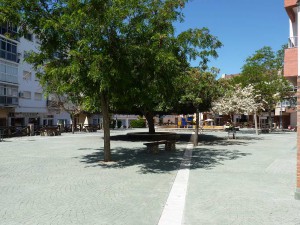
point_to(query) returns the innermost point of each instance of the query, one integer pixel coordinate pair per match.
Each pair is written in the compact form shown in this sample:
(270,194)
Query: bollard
(31,129)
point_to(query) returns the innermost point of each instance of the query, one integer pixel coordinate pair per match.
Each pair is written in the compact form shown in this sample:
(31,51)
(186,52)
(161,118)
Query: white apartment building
(21,97)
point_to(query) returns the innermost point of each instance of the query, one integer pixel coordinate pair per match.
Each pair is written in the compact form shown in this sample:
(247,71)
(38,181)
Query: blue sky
(243,26)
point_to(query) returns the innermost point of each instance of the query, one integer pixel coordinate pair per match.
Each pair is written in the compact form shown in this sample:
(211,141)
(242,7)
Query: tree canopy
(263,70)
(198,89)
(117,53)
(158,58)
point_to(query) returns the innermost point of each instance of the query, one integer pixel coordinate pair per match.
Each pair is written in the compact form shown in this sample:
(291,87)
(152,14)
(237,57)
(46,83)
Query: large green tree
(263,70)
(113,52)
(158,57)
(199,89)
(81,46)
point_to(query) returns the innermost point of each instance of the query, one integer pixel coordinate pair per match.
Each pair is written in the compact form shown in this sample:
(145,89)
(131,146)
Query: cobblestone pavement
(62,180)
(250,180)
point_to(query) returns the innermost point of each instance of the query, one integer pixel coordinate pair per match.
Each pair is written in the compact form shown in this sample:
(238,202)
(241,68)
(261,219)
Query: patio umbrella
(86,121)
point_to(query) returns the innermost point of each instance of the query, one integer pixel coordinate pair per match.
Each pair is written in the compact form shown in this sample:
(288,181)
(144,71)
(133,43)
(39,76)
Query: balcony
(8,50)
(289,5)
(8,78)
(9,101)
(10,56)
(9,30)
(293,42)
(291,64)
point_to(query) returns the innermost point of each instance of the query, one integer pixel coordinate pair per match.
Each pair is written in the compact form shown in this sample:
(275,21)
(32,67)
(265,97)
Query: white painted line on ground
(174,208)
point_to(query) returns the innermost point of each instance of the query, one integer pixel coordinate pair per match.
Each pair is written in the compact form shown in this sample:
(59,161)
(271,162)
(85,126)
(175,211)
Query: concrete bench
(153,146)
(265,130)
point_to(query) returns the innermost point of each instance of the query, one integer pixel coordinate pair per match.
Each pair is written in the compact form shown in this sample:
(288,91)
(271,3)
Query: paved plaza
(62,180)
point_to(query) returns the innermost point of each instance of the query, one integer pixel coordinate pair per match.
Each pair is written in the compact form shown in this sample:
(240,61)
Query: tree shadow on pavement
(206,158)
(212,140)
(146,162)
(206,139)
(164,162)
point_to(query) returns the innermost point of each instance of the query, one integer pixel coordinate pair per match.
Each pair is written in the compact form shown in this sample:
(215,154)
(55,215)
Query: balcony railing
(293,42)
(8,78)
(9,49)
(9,101)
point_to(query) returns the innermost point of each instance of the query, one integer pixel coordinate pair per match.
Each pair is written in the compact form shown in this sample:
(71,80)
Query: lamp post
(280,117)
(116,122)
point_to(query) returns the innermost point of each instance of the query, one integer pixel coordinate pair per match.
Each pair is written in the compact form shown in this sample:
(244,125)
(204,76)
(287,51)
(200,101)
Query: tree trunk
(197,129)
(270,120)
(255,123)
(73,123)
(106,129)
(150,120)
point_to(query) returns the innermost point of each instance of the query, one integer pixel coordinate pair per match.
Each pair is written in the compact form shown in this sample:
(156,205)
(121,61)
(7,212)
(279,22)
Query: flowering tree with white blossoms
(239,101)
(264,71)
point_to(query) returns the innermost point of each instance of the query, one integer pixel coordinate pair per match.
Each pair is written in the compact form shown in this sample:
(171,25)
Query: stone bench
(153,146)
(265,130)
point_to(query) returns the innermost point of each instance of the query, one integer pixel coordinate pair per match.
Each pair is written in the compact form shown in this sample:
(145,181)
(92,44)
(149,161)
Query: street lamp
(116,122)
(280,117)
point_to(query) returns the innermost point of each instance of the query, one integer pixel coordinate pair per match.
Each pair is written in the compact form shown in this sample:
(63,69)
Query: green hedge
(140,123)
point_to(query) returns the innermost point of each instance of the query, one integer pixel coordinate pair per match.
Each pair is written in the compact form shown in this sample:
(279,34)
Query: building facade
(9,84)
(292,68)
(22,101)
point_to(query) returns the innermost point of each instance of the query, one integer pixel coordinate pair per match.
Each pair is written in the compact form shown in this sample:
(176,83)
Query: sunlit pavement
(250,180)
(62,180)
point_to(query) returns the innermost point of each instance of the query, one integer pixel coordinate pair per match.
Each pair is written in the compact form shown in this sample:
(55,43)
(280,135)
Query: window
(96,121)
(27,75)
(8,72)
(48,122)
(2,91)
(28,36)
(9,28)
(9,95)
(26,94)
(8,50)
(8,91)
(14,92)
(38,96)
